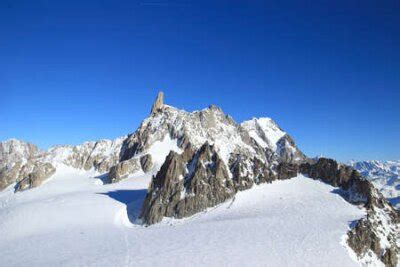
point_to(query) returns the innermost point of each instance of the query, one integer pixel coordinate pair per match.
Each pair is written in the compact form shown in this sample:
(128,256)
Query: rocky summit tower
(158,103)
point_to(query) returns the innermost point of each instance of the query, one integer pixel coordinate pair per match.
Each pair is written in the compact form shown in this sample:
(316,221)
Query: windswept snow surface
(75,220)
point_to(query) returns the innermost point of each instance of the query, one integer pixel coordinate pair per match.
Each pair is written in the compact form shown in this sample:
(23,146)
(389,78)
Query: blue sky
(328,73)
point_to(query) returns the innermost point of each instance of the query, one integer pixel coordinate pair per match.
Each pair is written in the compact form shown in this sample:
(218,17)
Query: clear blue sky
(327,72)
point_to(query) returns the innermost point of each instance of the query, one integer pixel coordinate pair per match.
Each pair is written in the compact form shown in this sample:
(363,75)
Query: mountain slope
(385,175)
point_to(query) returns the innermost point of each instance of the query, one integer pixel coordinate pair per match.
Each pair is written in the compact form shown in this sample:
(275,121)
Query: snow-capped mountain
(150,144)
(24,163)
(385,175)
(179,165)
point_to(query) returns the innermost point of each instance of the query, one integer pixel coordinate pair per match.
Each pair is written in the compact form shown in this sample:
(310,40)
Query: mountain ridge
(195,127)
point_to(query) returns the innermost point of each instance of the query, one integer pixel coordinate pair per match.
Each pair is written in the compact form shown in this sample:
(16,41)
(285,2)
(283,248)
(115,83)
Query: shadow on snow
(102,177)
(133,200)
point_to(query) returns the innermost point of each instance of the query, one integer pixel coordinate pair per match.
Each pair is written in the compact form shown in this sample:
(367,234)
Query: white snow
(264,131)
(160,150)
(72,220)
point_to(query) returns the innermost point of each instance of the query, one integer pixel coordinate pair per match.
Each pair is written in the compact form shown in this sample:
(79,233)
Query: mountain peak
(158,103)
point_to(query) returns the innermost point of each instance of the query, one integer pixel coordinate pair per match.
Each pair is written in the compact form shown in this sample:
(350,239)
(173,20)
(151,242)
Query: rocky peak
(185,186)
(169,127)
(14,149)
(158,103)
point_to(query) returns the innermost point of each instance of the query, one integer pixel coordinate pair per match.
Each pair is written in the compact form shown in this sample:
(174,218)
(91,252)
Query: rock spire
(158,103)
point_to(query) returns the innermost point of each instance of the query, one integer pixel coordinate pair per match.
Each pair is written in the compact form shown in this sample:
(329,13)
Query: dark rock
(165,189)
(389,258)
(36,178)
(364,237)
(288,151)
(175,192)
(330,172)
(261,172)
(122,170)
(247,171)
(287,170)
(146,162)
(242,172)
(158,103)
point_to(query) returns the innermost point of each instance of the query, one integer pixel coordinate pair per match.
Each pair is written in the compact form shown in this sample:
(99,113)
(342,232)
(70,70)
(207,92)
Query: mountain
(166,129)
(385,175)
(179,165)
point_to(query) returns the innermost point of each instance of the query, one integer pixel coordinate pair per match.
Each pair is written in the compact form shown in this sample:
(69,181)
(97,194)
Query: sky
(328,72)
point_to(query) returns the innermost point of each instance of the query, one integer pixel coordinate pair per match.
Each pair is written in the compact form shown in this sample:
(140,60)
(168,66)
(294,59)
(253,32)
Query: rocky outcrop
(268,135)
(158,103)
(123,169)
(330,172)
(182,188)
(188,183)
(40,173)
(146,162)
(99,155)
(17,160)
(379,231)
(376,233)
(287,170)
(287,150)
(10,174)
(384,175)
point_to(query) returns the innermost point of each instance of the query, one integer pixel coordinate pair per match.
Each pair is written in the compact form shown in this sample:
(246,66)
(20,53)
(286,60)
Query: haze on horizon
(327,73)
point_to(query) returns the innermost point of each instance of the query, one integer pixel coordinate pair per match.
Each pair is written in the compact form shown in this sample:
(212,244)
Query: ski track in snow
(72,220)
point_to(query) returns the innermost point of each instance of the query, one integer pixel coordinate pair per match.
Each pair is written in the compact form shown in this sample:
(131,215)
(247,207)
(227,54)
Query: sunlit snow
(73,220)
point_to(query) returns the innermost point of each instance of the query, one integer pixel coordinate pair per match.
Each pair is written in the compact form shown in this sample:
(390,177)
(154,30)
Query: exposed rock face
(185,186)
(123,169)
(379,231)
(146,162)
(99,155)
(267,134)
(385,175)
(17,160)
(182,188)
(329,171)
(36,178)
(287,150)
(197,127)
(188,184)
(376,233)
(158,103)
(287,170)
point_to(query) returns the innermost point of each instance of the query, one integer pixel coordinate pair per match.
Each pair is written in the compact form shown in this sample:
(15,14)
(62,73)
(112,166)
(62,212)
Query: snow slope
(264,131)
(74,220)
